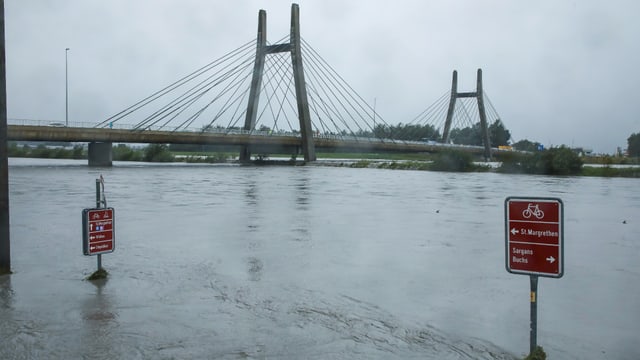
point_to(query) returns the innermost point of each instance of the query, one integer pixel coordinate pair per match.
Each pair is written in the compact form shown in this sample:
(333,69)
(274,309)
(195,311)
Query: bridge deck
(228,138)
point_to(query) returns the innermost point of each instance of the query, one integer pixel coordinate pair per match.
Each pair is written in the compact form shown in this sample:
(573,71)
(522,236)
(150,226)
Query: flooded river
(313,262)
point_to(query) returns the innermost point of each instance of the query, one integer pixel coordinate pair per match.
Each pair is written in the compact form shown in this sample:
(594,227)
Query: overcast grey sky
(557,71)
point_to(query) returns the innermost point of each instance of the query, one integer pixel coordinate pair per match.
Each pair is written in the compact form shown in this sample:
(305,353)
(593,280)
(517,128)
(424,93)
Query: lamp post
(66,87)
(374,113)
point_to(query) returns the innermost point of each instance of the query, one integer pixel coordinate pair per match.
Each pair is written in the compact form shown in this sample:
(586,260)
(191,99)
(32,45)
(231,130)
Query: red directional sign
(98,228)
(534,236)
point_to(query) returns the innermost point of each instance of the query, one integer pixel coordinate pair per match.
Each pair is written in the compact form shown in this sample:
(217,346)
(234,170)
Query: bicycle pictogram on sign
(533,210)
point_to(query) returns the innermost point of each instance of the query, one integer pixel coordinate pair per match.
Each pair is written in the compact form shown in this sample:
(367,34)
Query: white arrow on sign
(551,259)
(514,231)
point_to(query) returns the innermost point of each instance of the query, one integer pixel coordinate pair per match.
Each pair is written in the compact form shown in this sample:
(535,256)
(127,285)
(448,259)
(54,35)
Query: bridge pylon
(262,50)
(479,95)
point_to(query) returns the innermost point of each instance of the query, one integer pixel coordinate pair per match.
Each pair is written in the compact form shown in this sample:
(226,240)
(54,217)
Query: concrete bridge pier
(100,154)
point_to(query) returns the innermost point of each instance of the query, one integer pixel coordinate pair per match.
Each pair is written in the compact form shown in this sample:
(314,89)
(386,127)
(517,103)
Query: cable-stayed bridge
(261,98)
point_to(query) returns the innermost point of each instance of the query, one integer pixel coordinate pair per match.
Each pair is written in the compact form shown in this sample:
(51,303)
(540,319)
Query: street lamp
(374,113)
(66,87)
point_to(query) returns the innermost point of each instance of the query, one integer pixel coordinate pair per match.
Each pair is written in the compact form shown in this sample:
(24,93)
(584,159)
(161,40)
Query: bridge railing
(57,123)
(216,130)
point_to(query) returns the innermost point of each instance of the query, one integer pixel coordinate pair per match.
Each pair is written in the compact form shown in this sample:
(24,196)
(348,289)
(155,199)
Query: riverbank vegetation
(554,161)
(537,354)
(45,151)
(120,152)
(563,161)
(559,161)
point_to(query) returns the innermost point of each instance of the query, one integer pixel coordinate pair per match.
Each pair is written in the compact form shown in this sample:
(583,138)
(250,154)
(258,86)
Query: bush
(157,153)
(537,354)
(78,152)
(125,153)
(511,163)
(555,161)
(361,164)
(42,151)
(15,151)
(453,161)
(405,165)
(606,171)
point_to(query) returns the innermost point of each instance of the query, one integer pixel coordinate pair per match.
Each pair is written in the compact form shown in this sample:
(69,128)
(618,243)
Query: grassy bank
(607,171)
(555,161)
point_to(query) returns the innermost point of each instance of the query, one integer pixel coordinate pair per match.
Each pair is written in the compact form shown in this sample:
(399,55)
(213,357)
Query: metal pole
(374,115)
(98,202)
(5,243)
(66,87)
(533,334)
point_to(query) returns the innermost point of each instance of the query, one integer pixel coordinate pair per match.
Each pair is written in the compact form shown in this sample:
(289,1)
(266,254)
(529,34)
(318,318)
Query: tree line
(471,135)
(633,145)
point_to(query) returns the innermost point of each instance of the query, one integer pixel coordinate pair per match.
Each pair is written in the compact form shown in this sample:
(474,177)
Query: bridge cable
(172,86)
(434,115)
(288,94)
(187,98)
(276,70)
(193,94)
(235,84)
(330,106)
(337,89)
(240,110)
(233,99)
(342,86)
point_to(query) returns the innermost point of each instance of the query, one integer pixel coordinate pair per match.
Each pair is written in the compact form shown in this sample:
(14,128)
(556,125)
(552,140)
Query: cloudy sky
(557,71)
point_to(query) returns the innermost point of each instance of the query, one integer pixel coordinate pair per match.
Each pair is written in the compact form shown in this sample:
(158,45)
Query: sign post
(533,317)
(98,226)
(534,246)
(5,241)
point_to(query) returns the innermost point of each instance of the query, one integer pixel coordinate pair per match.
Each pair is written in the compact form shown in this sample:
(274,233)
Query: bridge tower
(479,95)
(262,50)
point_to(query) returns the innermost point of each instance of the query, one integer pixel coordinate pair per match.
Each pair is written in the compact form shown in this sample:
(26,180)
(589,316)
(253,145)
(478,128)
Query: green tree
(410,132)
(457,161)
(264,128)
(633,145)
(555,161)
(471,135)
(157,153)
(15,151)
(41,151)
(124,153)
(498,134)
(78,152)
(526,145)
